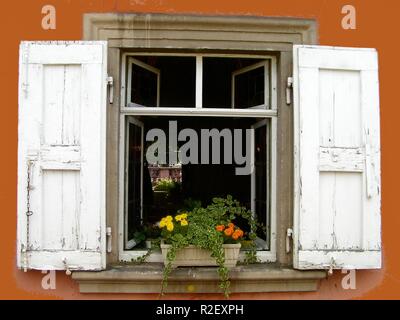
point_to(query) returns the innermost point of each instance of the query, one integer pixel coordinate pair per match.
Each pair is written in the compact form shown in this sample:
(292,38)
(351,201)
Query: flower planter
(193,256)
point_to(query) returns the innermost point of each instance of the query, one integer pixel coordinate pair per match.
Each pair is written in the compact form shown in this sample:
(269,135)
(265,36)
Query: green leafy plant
(143,258)
(207,228)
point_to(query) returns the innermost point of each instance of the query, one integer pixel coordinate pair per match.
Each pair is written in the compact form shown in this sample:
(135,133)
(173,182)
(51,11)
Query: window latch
(109,239)
(289,87)
(289,235)
(110,85)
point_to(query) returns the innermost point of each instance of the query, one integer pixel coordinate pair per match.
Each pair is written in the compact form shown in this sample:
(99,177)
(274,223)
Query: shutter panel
(61,151)
(337,220)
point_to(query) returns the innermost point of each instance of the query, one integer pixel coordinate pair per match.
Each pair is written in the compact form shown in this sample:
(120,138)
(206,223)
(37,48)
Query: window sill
(146,278)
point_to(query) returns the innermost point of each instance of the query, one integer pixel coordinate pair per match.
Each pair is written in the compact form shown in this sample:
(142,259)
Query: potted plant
(205,237)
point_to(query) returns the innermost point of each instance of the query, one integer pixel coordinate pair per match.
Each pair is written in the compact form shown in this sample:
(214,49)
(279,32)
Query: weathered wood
(62,134)
(337,158)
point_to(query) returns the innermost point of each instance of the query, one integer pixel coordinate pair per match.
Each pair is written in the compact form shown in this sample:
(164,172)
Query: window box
(193,256)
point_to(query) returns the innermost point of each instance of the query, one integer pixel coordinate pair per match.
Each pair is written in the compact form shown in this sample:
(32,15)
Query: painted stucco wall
(21,20)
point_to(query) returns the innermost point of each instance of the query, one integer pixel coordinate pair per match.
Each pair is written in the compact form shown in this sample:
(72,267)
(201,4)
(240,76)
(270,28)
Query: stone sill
(146,278)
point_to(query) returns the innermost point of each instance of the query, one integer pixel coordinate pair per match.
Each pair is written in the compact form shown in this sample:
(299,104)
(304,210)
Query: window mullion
(199,81)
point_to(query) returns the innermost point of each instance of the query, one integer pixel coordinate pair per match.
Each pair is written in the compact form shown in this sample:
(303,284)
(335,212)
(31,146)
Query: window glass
(250,88)
(134,179)
(143,86)
(234,82)
(260,200)
(163,81)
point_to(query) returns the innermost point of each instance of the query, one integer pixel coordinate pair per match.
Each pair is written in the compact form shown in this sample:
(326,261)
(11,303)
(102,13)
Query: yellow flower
(184,223)
(163,223)
(184,215)
(181,217)
(170,226)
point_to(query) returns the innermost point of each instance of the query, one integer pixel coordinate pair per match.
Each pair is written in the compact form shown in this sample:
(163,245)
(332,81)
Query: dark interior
(217,83)
(192,182)
(177,80)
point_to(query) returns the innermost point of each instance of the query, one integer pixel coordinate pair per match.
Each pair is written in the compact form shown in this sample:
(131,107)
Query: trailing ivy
(201,232)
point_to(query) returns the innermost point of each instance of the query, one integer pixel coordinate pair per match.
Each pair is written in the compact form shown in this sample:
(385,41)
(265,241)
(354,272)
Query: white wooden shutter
(62,113)
(337,222)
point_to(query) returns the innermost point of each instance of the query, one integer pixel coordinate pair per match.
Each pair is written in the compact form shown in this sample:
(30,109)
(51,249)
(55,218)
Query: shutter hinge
(67,270)
(289,236)
(109,239)
(332,265)
(110,85)
(289,87)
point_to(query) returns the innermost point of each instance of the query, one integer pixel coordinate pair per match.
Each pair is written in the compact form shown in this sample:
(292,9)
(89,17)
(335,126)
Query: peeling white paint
(337,158)
(62,131)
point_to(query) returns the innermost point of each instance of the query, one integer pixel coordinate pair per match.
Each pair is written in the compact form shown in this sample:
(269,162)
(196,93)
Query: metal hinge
(289,87)
(110,85)
(332,265)
(109,239)
(289,236)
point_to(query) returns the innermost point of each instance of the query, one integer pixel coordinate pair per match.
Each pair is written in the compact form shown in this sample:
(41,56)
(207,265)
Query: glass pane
(134,178)
(143,86)
(250,88)
(217,80)
(177,82)
(261,179)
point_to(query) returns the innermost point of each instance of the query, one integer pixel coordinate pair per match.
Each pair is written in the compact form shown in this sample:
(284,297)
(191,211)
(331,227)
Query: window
(199,81)
(223,83)
(250,87)
(143,87)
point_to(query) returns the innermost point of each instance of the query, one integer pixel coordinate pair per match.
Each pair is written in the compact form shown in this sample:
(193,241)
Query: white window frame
(267,87)
(133,61)
(198,110)
(271,176)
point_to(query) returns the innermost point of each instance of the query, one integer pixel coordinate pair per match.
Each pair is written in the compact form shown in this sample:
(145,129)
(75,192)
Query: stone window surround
(216,34)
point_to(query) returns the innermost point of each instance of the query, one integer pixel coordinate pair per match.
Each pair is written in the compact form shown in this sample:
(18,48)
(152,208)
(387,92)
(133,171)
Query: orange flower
(231,225)
(237,234)
(228,232)
(220,227)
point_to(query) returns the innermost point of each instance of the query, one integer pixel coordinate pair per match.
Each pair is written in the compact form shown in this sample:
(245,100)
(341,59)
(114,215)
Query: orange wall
(21,20)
